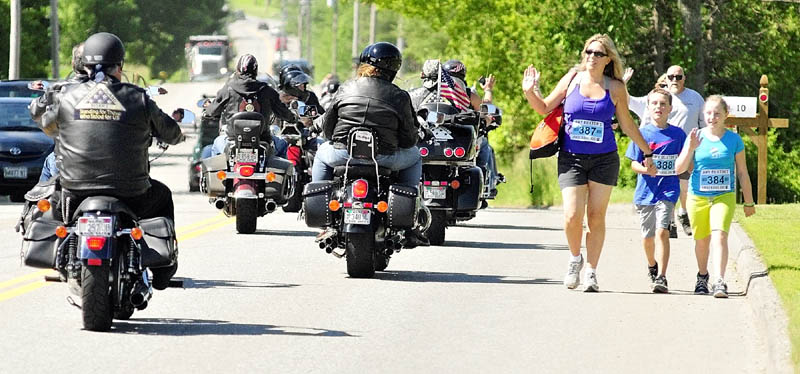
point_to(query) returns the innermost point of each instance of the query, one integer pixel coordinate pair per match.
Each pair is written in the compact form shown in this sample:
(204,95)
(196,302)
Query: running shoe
(687,228)
(590,284)
(673,231)
(660,285)
(573,274)
(701,287)
(720,289)
(652,272)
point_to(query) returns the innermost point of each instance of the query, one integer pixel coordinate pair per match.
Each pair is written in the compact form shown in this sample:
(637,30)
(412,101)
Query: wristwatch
(648,155)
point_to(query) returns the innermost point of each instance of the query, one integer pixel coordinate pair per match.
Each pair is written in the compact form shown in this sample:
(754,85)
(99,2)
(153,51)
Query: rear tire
(294,202)
(97,306)
(381,262)
(435,232)
(360,255)
(246,215)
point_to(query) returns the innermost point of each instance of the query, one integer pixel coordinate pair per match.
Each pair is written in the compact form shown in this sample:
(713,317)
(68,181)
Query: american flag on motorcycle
(453,90)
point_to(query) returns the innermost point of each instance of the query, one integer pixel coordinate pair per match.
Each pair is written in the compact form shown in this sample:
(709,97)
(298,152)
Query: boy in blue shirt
(658,186)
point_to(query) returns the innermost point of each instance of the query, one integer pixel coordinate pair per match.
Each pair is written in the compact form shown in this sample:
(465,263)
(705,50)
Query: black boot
(414,238)
(161,276)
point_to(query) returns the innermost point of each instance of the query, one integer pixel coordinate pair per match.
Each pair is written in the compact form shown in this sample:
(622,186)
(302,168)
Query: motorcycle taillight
(360,188)
(96,243)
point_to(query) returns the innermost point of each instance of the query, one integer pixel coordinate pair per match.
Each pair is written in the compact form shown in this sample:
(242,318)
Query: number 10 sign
(742,107)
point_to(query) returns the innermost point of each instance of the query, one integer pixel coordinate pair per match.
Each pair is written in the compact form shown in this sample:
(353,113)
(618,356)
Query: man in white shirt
(687,113)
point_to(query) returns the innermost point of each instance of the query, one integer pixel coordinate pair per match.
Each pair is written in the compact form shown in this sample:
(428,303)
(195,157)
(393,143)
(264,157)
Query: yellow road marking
(25,277)
(21,290)
(191,233)
(200,223)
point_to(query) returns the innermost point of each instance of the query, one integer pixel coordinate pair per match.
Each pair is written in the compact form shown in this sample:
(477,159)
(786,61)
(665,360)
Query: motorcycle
(453,187)
(301,151)
(364,213)
(247,180)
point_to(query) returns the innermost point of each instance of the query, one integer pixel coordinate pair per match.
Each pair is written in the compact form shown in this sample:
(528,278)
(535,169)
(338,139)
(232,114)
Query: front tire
(435,232)
(294,203)
(360,255)
(246,215)
(97,306)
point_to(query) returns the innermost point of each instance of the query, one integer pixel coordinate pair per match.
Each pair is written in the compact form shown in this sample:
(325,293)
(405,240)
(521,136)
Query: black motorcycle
(366,215)
(247,180)
(301,151)
(453,187)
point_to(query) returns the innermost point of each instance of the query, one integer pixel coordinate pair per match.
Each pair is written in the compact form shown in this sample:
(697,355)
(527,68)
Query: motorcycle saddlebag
(280,188)
(316,197)
(161,247)
(210,184)
(40,244)
(402,206)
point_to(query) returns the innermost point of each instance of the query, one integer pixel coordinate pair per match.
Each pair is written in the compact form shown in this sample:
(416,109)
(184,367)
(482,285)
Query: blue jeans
(406,161)
(218,147)
(486,161)
(49,168)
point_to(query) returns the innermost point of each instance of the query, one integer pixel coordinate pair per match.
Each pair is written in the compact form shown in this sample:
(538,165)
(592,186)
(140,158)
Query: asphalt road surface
(489,300)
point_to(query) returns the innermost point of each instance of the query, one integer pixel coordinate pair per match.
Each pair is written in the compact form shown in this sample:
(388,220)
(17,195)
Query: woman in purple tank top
(588,164)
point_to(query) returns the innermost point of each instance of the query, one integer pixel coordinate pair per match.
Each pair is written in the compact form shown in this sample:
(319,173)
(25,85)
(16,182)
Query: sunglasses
(662,86)
(675,77)
(590,52)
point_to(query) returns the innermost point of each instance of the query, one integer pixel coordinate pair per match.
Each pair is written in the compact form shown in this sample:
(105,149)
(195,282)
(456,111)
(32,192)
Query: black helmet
(384,56)
(291,80)
(285,69)
(103,48)
(247,65)
(456,69)
(332,86)
(77,59)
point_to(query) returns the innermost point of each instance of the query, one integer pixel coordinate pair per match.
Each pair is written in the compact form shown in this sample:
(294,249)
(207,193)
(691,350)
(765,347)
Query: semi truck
(208,56)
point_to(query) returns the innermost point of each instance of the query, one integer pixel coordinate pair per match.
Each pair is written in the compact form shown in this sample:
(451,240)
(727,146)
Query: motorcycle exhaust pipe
(219,203)
(270,205)
(140,295)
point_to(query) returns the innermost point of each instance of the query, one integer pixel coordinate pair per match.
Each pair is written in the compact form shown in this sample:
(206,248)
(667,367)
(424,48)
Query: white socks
(575,258)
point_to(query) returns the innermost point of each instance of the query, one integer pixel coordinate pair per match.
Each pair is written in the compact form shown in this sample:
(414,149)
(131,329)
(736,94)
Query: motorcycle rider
(243,84)
(329,86)
(104,129)
(371,100)
(428,93)
(293,85)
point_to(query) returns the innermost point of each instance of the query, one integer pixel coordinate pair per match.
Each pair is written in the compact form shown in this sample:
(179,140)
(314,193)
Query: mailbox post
(743,117)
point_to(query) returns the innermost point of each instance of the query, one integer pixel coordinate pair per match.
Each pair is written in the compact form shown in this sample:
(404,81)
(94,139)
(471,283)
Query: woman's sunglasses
(590,52)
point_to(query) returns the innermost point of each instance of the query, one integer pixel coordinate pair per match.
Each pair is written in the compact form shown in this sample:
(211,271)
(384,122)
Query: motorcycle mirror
(38,85)
(155,91)
(435,117)
(188,116)
(307,110)
(297,104)
(202,103)
(489,109)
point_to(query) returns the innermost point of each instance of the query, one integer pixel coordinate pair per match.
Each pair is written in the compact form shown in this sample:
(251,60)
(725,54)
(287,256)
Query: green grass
(774,231)
(257,8)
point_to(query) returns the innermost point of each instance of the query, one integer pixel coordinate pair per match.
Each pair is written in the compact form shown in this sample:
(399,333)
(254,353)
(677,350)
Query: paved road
(491,299)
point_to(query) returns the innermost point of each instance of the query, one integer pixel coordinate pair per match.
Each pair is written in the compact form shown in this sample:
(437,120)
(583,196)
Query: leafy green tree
(34,38)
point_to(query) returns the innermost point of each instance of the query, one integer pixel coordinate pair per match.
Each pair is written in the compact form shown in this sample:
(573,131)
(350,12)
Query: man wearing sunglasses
(687,113)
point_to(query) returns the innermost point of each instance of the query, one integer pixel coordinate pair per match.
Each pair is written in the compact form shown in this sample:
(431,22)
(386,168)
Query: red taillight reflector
(198,167)
(423,151)
(443,183)
(95,262)
(460,152)
(367,205)
(246,171)
(448,152)
(348,205)
(96,243)
(360,188)
(455,184)
(426,183)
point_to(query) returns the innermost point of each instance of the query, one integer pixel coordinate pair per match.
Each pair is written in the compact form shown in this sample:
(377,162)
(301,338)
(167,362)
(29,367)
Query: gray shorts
(576,169)
(653,217)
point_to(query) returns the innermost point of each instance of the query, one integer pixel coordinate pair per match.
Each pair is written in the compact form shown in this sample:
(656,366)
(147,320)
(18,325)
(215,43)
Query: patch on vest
(99,104)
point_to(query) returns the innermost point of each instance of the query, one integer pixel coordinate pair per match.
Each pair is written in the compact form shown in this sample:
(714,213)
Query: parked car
(18,88)
(263,26)
(23,148)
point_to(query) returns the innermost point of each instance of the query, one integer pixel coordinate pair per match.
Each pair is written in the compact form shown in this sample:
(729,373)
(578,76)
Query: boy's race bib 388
(665,164)
(717,180)
(584,130)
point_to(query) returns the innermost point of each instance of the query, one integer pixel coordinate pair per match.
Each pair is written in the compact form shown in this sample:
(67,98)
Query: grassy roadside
(774,232)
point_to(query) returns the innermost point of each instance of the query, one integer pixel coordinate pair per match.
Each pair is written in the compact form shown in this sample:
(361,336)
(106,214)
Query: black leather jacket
(376,103)
(104,132)
(39,106)
(238,87)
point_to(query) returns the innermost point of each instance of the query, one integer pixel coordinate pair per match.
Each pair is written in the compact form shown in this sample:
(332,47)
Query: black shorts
(685,175)
(577,169)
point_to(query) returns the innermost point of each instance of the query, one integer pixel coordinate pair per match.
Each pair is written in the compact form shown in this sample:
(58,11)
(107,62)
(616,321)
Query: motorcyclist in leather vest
(105,128)
(371,100)
(428,93)
(243,84)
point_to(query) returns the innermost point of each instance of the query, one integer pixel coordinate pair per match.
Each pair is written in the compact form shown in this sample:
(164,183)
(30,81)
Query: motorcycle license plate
(430,192)
(94,226)
(246,155)
(357,216)
(18,172)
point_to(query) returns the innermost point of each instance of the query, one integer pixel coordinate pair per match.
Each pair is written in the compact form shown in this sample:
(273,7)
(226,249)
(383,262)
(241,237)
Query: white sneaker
(590,284)
(573,277)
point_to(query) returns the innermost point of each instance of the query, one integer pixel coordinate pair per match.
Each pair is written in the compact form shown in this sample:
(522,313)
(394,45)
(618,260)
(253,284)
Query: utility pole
(13,38)
(373,15)
(355,32)
(54,45)
(281,35)
(335,30)
(300,19)
(401,41)
(309,52)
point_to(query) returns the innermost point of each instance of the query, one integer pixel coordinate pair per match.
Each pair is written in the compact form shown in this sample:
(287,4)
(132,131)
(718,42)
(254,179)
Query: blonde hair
(661,80)
(367,70)
(615,67)
(720,101)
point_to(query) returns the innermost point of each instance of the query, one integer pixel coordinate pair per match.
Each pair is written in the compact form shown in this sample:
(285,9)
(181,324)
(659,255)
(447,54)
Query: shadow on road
(437,277)
(190,327)
(495,245)
(506,227)
(218,283)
